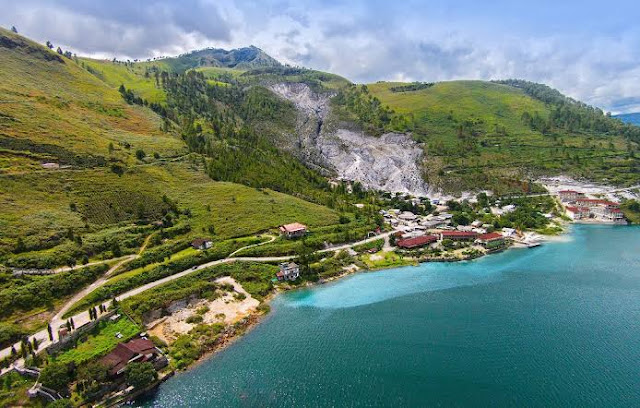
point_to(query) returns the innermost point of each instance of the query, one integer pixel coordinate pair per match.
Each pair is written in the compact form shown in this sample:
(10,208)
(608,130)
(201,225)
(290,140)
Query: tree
(50,332)
(91,374)
(14,29)
(56,376)
(35,344)
(140,375)
(61,403)
(305,255)
(73,325)
(140,154)
(20,246)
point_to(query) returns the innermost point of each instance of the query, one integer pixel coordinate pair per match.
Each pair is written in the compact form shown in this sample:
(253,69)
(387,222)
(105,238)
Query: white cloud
(363,41)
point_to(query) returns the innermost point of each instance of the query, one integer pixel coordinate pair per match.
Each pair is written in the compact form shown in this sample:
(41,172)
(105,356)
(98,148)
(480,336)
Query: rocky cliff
(389,163)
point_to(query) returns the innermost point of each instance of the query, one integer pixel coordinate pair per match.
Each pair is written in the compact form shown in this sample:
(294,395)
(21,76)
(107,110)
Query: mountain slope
(631,118)
(492,135)
(78,163)
(240,58)
(54,110)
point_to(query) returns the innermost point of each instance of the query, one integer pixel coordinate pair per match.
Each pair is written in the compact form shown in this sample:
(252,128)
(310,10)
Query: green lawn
(99,342)
(389,259)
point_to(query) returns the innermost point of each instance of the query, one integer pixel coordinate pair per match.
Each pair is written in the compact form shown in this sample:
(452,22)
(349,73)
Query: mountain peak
(250,57)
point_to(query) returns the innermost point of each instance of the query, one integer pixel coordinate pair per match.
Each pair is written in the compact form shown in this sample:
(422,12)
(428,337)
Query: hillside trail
(83,317)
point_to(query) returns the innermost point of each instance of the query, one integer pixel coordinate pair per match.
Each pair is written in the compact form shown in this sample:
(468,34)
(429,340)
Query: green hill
(494,134)
(79,163)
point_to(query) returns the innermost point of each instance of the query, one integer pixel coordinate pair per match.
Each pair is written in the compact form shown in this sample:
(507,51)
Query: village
(418,230)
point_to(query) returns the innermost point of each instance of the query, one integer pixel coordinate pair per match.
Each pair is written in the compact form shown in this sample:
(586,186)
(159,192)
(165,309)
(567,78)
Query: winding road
(83,317)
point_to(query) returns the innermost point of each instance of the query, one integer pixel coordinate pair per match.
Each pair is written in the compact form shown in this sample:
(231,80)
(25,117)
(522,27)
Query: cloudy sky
(589,50)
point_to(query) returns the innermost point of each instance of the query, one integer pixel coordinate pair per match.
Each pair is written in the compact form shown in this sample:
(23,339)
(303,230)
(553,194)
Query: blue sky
(588,50)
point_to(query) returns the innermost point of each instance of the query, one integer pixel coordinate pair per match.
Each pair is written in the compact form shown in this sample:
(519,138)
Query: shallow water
(554,325)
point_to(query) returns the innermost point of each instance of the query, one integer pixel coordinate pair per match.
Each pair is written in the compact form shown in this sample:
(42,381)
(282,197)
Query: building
(293,230)
(602,209)
(135,351)
(417,242)
(491,240)
(608,212)
(594,202)
(407,216)
(578,213)
(289,271)
(201,244)
(458,235)
(569,195)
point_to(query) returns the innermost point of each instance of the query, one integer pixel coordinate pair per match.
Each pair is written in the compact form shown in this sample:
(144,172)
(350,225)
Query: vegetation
(98,342)
(44,290)
(124,282)
(139,375)
(631,210)
(496,134)
(189,347)
(254,277)
(56,376)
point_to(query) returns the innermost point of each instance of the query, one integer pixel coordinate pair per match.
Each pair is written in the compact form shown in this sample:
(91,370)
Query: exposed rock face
(389,162)
(386,163)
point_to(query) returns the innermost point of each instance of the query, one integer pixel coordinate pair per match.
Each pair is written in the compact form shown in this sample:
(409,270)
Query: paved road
(83,317)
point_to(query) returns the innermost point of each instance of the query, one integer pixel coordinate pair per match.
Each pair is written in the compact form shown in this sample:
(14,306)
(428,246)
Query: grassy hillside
(91,200)
(116,165)
(133,76)
(55,111)
(478,134)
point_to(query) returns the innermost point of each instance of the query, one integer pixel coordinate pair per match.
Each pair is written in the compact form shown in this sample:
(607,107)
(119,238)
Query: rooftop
(293,227)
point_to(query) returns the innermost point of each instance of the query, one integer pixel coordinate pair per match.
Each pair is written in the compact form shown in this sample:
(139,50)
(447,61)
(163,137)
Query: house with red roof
(417,242)
(135,351)
(578,213)
(458,235)
(491,240)
(293,230)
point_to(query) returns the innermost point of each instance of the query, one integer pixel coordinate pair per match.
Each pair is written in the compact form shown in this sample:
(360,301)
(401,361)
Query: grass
(255,278)
(389,259)
(13,392)
(101,340)
(53,108)
(496,146)
(133,76)
(103,199)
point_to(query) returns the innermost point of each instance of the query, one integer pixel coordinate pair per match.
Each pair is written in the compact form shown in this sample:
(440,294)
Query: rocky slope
(390,162)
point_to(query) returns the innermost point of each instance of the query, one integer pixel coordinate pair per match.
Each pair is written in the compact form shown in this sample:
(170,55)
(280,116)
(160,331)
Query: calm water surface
(557,325)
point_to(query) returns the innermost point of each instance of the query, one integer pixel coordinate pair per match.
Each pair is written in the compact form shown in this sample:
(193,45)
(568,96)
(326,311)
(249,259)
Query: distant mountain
(632,118)
(245,58)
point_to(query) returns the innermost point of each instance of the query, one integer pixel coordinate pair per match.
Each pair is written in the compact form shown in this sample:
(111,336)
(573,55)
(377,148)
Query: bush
(56,376)
(194,319)
(139,375)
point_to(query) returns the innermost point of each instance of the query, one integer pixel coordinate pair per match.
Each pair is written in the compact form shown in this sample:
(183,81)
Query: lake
(550,326)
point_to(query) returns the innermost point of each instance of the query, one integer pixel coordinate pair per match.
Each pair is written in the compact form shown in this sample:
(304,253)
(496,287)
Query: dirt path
(83,317)
(271,239)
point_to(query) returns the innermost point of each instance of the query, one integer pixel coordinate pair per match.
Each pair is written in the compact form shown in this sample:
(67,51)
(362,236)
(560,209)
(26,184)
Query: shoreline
(253,320)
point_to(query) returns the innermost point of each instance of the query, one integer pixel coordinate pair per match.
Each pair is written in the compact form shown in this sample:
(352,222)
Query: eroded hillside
(390,162)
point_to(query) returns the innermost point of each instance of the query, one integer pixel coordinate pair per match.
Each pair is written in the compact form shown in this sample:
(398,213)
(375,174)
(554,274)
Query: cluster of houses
(580,207)
(489,240)
(430,230)
(407,221)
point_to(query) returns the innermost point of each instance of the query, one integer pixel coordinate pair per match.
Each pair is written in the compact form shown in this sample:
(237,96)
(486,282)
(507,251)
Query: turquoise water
(557,325)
